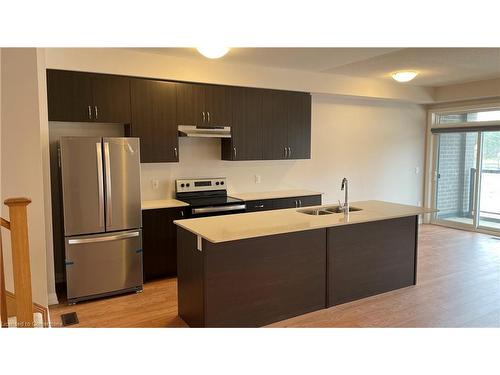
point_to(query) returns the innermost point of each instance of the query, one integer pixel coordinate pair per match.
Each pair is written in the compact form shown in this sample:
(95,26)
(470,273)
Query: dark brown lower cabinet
(371,258)
(257,281)
(251,282)
(313,200)
(281,203)
(159,242)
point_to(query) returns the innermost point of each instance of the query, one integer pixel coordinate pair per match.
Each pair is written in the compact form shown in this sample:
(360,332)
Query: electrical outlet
(257,179)
(155,183)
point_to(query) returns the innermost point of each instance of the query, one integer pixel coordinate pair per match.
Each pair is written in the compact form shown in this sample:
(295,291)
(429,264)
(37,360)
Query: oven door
(218,210)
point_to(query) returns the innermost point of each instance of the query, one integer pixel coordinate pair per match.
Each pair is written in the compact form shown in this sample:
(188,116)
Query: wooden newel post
(21,259)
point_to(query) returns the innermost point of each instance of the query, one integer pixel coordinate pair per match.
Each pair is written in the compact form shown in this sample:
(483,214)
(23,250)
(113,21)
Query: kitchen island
(252,269)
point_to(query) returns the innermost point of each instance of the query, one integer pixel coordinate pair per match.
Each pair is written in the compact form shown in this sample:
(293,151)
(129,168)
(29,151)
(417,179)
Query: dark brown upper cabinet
(153,112)
(190,103)
(203,105)
(299,126)
(246,125)
(265,124)
(287,125)
(275,119)
(69,96)
(87,97)
(111,98)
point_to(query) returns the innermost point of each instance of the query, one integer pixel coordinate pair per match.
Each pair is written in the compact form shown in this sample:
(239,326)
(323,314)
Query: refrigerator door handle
(98,147)
(78,241)
(107,166)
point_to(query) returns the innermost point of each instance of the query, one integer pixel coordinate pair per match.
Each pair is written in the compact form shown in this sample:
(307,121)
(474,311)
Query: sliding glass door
(489,193)
(465,198)
(456,178)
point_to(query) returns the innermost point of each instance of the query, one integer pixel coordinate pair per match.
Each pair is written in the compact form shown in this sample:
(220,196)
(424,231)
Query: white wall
(376,144)
(21,158)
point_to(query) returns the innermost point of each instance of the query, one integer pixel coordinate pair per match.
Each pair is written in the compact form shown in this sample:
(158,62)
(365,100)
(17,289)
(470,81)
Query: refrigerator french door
(102,216)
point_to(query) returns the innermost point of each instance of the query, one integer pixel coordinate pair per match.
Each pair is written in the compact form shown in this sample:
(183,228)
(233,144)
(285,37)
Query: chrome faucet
(345,187)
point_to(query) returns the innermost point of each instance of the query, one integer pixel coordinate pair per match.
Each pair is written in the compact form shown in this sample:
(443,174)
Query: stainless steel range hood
(204,131)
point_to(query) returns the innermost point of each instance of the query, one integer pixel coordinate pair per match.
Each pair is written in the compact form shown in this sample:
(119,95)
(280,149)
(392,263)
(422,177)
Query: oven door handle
(211,209)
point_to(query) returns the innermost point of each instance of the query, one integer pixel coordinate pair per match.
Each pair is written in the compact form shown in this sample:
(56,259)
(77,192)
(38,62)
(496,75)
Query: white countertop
(170,203)
(273,194)
(264,223)
(162,203)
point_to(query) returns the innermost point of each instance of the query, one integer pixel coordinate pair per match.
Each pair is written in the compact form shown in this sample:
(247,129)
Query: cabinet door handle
(300,202)
(90,112)
(96,113)
(208,116)
(284,148)
(289,152)
(203,116)
(176,154)
(234,151)
(259,206)
(296,203)
(182,213)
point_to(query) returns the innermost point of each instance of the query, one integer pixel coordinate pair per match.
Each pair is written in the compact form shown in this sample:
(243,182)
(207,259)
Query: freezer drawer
(103,264)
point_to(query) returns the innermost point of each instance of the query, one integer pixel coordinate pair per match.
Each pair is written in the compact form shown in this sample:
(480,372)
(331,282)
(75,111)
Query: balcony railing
(490,194)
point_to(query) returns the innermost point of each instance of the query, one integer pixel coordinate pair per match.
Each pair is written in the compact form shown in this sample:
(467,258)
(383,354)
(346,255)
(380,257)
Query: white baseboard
(53,299)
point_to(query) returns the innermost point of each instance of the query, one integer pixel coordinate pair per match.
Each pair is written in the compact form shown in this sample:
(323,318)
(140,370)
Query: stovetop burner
(209,201)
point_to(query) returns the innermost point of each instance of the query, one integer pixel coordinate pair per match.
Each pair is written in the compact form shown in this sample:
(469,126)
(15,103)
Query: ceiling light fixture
(404,76)
(213,52)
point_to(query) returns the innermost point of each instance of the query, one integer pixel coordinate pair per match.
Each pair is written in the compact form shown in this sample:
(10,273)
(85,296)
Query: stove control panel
(200,184)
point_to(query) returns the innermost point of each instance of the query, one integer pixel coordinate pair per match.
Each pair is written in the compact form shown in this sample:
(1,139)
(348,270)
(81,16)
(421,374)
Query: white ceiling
(436,66)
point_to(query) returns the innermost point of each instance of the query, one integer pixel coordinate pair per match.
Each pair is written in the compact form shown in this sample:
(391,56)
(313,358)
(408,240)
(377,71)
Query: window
(465,117)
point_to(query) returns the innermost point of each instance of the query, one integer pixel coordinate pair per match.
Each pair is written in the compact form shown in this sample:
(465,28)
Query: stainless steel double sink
(326,210)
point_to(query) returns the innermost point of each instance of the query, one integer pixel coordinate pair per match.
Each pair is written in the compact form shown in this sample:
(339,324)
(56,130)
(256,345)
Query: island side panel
(190,295)
(370,258)
(257,281)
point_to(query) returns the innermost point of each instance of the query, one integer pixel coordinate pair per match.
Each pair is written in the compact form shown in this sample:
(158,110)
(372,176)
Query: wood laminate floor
(458,285)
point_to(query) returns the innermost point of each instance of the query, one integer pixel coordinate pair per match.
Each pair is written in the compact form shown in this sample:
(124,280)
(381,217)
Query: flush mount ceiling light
(404,76)
(213,52)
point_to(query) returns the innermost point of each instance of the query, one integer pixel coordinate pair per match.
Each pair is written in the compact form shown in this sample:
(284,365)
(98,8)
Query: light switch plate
(257,179)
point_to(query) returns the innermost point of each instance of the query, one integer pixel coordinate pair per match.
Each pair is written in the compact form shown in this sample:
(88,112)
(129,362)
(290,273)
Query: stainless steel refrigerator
(102,216)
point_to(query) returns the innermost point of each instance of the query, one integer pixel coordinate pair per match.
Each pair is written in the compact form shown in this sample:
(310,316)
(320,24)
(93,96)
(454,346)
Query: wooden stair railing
(3,296)
(18,227)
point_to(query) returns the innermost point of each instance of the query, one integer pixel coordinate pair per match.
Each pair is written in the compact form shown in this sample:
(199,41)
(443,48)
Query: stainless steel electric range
(207,197)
